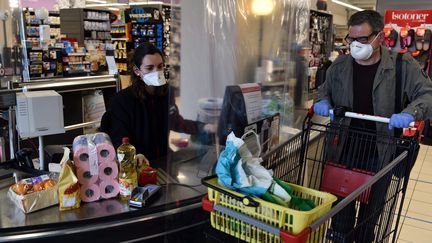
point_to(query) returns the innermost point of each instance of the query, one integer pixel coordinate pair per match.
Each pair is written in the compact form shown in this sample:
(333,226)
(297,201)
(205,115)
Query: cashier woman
(146,111)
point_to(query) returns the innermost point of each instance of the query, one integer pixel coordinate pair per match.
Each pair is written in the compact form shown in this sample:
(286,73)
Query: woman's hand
(210,128)
(141,159)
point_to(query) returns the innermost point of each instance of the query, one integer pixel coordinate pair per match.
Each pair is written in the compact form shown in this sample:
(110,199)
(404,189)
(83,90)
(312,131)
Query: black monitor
(233,118)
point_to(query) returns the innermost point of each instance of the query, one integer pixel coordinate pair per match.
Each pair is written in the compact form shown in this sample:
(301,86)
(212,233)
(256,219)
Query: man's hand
(401,120)
(141,159)
(322,107)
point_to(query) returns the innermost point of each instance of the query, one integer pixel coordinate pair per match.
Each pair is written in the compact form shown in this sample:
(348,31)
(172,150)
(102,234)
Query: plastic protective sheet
(243,42)
(11,39)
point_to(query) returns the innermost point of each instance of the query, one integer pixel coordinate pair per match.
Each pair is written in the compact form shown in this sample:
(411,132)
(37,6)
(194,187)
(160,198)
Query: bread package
(68,186)
(32,194)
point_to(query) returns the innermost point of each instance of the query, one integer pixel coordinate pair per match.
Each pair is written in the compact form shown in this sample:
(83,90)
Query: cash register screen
(233,118)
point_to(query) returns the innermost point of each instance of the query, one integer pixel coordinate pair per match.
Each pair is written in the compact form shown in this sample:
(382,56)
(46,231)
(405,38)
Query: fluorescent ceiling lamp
(114,9)
(347,5)
(262,7)
(145,2)
(97,1)
(13,3)
(106,5)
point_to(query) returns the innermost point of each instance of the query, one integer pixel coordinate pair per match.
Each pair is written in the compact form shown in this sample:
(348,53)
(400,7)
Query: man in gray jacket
(365,82)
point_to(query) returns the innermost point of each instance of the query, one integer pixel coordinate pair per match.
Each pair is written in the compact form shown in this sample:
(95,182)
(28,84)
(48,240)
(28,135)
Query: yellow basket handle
(246,200)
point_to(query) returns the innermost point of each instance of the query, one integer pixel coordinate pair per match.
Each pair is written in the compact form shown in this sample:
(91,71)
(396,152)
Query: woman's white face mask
(154,78)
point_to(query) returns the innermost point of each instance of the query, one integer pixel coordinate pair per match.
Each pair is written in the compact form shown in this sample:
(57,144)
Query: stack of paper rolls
(97,170)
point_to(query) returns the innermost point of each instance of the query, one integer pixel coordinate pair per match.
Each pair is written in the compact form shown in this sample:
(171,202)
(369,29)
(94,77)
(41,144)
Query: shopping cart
(367,171)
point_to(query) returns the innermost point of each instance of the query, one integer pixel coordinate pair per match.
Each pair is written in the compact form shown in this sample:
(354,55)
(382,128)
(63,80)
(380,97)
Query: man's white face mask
(361,51)
(154,78)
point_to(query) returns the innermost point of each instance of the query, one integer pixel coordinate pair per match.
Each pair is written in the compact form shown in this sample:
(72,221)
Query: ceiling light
(106,5)
(262,7)
(97,1)
(347,5)
(114,9)
(13,3)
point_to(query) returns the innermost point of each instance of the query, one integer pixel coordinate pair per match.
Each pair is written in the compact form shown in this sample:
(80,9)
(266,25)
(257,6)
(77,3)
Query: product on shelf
(121,41)
(147,26)
(390,37)
(41,63)
(75,60)
(321,40)
(93,32)
(410,34)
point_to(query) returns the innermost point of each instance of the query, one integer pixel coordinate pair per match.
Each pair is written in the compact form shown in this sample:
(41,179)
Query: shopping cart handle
(365,117)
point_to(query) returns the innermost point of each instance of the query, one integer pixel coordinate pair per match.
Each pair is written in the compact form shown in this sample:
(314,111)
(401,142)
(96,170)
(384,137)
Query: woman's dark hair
(371,17)
(135,60)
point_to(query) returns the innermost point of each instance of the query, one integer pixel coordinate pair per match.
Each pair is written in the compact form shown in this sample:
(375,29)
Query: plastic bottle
(128,178)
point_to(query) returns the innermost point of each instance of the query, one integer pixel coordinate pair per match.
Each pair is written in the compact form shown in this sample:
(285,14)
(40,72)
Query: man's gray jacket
(338,88)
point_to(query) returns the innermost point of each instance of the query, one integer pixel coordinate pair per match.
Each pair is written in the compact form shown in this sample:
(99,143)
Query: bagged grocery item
(34,193)
(97,169)
(68,186)
(237,168)
(109,188)
(89,193)
(85,154)
(104,147)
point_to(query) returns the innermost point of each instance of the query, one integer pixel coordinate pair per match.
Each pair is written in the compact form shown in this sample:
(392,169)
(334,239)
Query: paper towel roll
(108,171)
(80,150)
(85,177)
(90,193)
(109,189)
(105,149)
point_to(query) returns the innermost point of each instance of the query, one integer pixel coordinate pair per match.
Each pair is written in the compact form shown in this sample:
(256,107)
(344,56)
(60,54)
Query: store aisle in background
(416,219)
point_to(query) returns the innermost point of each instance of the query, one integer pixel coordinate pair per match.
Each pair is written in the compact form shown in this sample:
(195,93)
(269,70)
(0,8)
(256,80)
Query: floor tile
(415,234)
(417,206)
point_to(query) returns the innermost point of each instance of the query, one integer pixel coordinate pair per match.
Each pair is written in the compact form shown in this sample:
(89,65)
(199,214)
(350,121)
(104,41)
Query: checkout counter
(174,213)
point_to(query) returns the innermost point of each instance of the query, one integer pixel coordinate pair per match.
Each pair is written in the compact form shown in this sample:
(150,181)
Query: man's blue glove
(401,120)
(322,107)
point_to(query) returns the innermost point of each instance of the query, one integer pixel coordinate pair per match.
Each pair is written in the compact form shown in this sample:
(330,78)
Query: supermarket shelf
(77,54)
(76,63)
(120,39)
(50,13)
(146,36)
(53,26)
(78,71)
(69,84)
(98,31)
(97,20)
(89,38)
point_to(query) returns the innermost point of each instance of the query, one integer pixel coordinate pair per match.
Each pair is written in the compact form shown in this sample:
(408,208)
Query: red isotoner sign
(412,18)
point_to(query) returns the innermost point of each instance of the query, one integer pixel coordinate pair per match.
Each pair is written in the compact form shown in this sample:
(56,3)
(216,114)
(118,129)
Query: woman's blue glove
(322,107)
(401,120)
